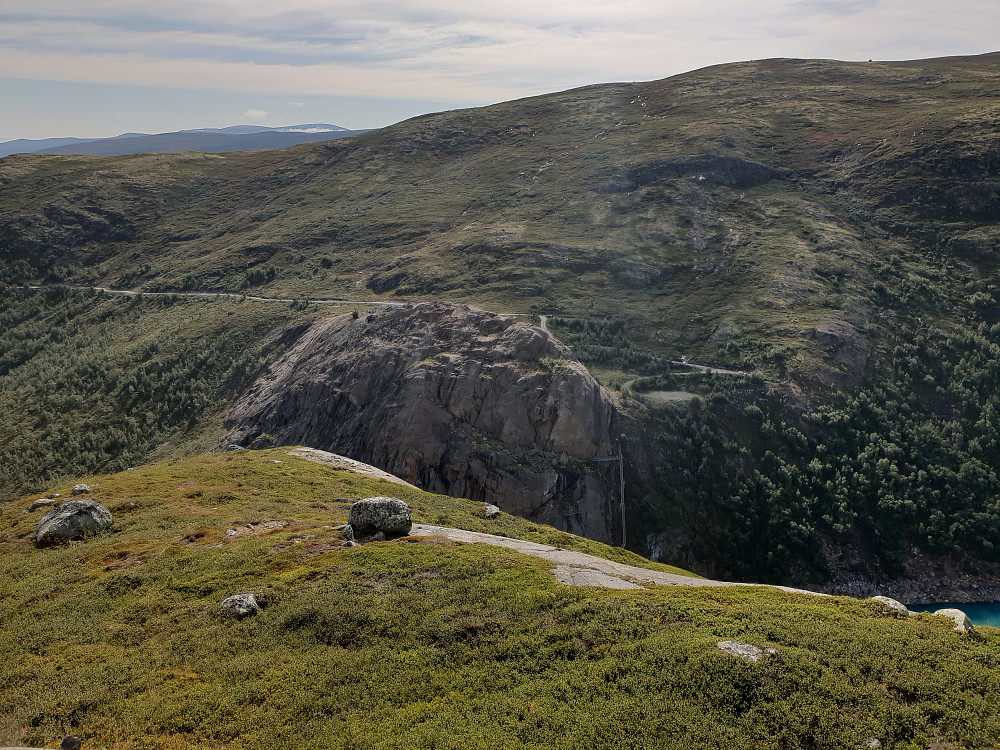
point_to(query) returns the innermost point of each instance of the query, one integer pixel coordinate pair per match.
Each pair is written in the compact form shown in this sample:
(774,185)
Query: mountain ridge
(214,140)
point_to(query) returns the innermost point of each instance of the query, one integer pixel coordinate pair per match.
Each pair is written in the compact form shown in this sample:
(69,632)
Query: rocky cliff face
(453,399)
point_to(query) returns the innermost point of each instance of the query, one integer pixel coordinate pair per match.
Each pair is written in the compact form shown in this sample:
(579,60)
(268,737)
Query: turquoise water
(981,613)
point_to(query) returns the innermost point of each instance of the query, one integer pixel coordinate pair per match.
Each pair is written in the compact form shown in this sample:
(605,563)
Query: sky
(96,68)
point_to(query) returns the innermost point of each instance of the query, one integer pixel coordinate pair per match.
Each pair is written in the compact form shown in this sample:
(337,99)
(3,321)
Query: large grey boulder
(896,606)
(73,520)
(388,515)
(962,622)
(240,606)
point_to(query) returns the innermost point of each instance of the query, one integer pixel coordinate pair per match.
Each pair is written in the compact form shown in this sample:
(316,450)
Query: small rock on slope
(962,622)
(896,606)
(240,606)
(745,650)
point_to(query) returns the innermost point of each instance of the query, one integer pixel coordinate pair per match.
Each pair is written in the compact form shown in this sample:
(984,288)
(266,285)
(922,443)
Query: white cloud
(455,50)
(255,114)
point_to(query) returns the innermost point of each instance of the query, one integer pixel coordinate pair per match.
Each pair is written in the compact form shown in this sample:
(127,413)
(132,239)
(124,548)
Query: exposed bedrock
(453,399)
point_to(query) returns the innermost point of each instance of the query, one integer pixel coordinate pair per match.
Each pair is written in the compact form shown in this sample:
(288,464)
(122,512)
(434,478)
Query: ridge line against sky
(99,68)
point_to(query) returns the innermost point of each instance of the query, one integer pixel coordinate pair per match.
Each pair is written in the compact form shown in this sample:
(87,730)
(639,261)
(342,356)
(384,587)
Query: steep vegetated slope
(95,383)
(829,227)
(423,642)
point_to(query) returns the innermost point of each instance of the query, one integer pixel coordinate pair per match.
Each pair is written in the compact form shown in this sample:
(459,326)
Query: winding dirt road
(581,569)
(234,296)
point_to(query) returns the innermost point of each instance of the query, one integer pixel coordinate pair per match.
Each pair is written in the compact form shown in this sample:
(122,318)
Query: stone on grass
(386,515)
(492,511)
(69,742)
(73,520)
(896,606)
(42,502)
(240,606)
(348,532)
(745,650)
(962,622)
(80,489)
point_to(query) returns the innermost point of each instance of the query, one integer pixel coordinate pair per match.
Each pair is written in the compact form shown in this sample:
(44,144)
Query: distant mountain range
(234,138)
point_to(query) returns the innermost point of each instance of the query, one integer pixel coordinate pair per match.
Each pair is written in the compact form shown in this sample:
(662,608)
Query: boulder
(492,511)
(73,520)
(962,622)
(81,489)
(240,606)
(896,606)
(70,742)
(388,515)
(744,650)
(42,502)
(348,532)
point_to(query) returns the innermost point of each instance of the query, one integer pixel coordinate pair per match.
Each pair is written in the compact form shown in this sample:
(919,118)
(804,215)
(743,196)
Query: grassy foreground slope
(421,643)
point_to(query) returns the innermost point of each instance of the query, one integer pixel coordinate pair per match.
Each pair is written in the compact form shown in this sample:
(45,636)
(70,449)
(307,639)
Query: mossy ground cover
(423,643)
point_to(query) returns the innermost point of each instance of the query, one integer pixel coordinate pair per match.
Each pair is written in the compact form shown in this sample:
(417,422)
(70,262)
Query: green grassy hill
(723,213)
(425,643)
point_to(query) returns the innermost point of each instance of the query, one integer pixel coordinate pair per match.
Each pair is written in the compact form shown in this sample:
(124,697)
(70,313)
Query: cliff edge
(453,399)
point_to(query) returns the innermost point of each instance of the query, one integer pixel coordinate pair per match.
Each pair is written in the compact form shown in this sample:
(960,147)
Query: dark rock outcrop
(73,520)
(847,347)
(731,171)
(451,398)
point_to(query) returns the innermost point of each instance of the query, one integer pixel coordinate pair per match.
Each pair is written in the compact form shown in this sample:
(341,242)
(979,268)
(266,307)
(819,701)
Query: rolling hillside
(828,228)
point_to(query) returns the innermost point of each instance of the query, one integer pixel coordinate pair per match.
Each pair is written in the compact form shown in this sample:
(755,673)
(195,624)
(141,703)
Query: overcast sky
(102,67)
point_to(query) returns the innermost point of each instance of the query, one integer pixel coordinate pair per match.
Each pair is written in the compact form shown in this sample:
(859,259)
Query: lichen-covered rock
(388,515)
(491,510)
(453,399)
(745,651)
(42,502)
(73,520)
(240,606)
(962,622)
(896,606)
(81,489)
